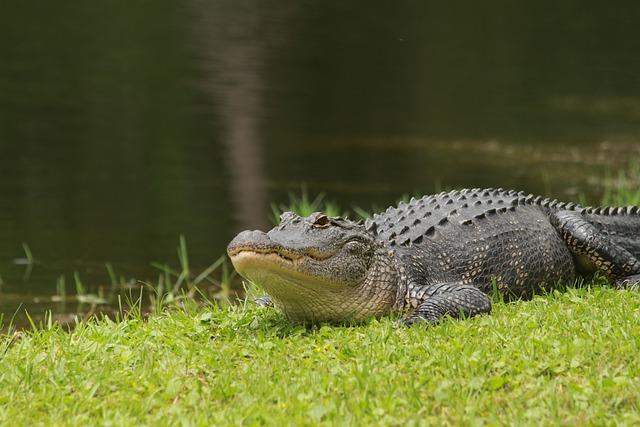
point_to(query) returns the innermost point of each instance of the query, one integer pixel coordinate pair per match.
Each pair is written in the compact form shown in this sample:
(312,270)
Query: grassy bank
(568,357)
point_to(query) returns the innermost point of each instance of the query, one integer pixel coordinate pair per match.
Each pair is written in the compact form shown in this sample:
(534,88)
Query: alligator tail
(620,224)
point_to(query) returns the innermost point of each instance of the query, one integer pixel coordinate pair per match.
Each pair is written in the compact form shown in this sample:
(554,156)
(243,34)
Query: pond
(126,125)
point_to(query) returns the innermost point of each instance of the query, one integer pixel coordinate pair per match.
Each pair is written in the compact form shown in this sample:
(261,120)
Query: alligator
(436,256)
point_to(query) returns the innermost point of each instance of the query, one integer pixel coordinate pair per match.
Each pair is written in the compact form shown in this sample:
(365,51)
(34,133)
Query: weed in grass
(363,213)
(80,289)
(303,205)
(173,286)
(27,252)
(27,261)
(61,293)
(112,275)
(178,286)
(624,189)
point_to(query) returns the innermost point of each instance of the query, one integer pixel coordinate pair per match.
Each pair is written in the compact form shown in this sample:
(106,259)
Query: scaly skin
(436,256)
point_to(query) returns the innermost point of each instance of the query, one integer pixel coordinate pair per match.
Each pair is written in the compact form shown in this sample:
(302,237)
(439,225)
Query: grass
(305,206)
(624,188)
(172,286)
(567,358)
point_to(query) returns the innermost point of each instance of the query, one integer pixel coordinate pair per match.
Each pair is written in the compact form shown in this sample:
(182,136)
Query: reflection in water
(620,107)
(234,43)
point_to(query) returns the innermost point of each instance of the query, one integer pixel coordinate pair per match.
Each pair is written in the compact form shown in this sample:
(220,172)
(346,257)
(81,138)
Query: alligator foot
(629,282)
(448,299)
(264,301)
(595,248)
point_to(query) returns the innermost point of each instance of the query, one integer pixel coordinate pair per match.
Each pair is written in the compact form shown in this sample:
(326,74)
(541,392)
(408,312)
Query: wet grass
(570,357)
(173,285)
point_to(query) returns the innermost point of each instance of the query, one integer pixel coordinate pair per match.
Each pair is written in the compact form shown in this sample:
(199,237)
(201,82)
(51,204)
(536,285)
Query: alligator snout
(254,240)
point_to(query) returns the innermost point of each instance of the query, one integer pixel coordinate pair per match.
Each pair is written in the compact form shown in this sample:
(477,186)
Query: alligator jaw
(259,243)
(248,261)
(244,258)
(242,252)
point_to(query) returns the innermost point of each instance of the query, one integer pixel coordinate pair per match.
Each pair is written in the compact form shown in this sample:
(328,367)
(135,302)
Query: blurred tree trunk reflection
(234,38)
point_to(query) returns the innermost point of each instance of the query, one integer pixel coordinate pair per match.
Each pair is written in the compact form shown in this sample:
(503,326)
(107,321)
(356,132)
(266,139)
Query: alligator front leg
(448,299)
(596,250)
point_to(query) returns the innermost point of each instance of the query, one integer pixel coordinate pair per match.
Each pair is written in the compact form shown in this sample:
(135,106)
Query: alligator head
(318,268)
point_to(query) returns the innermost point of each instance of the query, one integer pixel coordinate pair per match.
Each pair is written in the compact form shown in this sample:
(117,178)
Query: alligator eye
(322,221)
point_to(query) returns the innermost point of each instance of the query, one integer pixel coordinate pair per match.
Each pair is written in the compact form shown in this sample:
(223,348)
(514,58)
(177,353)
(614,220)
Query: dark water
(126,124)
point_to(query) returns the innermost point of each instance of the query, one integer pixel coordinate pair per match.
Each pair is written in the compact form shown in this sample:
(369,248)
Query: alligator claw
(264,301)
(406,322)
(631,282)
(412,320)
